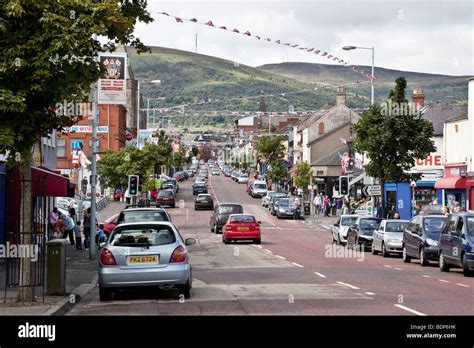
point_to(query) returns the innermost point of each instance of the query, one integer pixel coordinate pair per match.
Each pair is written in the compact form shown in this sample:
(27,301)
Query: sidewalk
(81,276)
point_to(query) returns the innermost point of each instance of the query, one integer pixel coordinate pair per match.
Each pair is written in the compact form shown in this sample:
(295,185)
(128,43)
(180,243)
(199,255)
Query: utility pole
(92,246)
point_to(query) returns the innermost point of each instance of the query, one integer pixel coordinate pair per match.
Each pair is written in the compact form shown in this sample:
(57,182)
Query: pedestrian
(118,194)
(457,208)
(127,196)
(396,216)
(446,210)
(53,219)
(378,210)
(87,228)
(68,228)
(77,234)
(72,212)
(297,204)
(317,202)
(101,236)
(346,210)
(391,212)
(326,206)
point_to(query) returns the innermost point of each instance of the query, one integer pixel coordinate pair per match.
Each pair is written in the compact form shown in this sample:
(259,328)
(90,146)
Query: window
(321,127)
(230,209)
(319,173)
(396,226)
(146,236)
(61,146)
(242,218)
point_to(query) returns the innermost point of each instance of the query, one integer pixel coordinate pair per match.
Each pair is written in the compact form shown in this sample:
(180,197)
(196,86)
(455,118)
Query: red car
(241,227)
(179,177)
(110,223)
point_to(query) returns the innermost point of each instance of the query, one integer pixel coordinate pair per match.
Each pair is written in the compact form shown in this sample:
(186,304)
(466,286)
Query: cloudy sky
(425,36)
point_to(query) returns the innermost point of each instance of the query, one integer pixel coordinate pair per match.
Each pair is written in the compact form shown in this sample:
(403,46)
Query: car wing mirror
(259,222)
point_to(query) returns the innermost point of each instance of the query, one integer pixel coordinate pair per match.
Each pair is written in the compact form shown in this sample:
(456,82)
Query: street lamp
(349,48)
(138,107)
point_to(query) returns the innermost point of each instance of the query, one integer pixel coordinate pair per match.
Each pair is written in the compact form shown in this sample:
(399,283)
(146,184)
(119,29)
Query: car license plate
(204,202)
(143,259)
(242,228)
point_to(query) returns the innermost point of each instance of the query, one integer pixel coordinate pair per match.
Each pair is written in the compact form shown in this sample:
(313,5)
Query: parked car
(456,243)
(132,214)
(388,238)
(204,201)
(286,208)
(110,223)
(243,179)
(216,171)
(361,231)
(221,213)
(340,228)
(241,227)
(269,195)
(168,186)
(420,239)
(145,254)
(179,176)
(166,198)
(259,189)
(273,205)
(199,187)
(190,173)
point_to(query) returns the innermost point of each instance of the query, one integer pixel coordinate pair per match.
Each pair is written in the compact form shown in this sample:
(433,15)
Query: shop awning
(48,184)
(450,183)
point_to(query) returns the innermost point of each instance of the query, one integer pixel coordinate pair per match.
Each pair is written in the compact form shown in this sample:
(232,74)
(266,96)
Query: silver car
(144,254)
(388,238)
(340,228)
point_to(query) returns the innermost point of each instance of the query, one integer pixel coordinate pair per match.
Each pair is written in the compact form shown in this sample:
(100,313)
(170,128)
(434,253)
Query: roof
(332,131)
(438,115)
(246,121)
(331,159)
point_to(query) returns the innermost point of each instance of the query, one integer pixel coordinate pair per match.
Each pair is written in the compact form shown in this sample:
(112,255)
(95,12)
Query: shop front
(454,186)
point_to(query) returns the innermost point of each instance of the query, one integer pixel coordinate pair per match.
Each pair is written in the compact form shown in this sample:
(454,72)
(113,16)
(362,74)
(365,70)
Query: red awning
(451,183)
(48,184)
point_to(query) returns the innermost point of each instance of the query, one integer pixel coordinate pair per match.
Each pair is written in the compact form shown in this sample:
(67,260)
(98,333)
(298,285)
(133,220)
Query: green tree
(393,142)
(303,176)
(277,171)
(270,148)
(195,151)
(47,57)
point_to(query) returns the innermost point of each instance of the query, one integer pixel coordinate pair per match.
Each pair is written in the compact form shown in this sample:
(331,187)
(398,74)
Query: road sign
(372,190)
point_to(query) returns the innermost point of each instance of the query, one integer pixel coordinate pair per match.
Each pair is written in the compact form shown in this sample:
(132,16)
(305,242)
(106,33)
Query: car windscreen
(348,221)
(369,224)
(143,216)
(285,202)
(396,226)
(242,218)
(165,193)
(230,209)
(204,198)
(260,186)
(432,225)
(138,236)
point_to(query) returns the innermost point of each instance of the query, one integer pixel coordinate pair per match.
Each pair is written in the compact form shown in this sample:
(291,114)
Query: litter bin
(307,208)
(56,267)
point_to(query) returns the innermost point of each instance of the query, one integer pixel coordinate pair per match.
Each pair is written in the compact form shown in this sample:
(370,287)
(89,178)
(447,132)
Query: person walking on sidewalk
(77,234)
(72,212)
(87,228)
(317,202)
(326,206)
(68,228)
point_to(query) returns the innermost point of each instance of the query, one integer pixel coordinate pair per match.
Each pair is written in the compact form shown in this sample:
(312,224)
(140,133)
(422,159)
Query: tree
(277,171)
(393,142)
(195,151)
(303,176)
(47,57)
(270,148)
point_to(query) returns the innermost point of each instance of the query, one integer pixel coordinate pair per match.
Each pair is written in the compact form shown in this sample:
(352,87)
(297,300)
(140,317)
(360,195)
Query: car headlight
(431,242)
(281,210)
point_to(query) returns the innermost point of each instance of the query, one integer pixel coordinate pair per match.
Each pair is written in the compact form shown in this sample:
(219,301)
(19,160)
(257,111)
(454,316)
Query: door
(457,238)
(411,236)
(446,239)
(378,236)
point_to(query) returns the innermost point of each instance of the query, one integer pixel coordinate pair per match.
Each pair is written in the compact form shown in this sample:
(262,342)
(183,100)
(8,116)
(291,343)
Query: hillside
(439,89)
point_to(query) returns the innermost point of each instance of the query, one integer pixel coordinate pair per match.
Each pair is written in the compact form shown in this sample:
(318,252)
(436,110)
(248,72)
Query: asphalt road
(295,271)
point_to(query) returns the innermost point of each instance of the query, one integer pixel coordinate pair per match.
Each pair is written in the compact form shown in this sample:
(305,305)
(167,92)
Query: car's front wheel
(258,241)
(105,294)
(384,250)
(374,252)
(423,261)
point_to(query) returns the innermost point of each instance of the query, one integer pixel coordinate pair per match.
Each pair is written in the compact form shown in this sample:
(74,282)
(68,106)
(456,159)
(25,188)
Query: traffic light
(343,185)
(133,185)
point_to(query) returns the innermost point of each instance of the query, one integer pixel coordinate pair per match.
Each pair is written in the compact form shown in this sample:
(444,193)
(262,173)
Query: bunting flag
(358,164)
(309,50)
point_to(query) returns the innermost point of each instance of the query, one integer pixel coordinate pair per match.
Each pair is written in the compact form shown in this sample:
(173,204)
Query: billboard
(113,85)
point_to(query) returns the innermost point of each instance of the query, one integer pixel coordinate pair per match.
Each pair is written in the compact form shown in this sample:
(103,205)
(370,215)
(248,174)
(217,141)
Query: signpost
(372,190)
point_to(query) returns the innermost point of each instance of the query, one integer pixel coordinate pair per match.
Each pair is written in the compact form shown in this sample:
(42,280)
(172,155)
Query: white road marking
(409,309)
(369,293)
(259,246)
(326,227)
(319,274)
(464,285)
(297,264)
(398,269)
(444,281)
(426,276)
(388,266)
(349,285)
(268,251)
(281,257)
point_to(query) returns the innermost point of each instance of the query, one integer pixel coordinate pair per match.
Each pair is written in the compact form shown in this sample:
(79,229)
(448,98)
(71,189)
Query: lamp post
(348,48)
(138,107)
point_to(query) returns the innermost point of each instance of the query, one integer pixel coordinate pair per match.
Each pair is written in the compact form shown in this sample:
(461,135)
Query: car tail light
(107,258)
(179,254)
(228,227)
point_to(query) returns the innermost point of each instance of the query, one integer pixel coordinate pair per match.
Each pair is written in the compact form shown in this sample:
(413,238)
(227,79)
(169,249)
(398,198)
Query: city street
(293,272)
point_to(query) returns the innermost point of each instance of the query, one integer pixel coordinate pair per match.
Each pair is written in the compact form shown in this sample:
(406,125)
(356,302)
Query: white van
(259,189)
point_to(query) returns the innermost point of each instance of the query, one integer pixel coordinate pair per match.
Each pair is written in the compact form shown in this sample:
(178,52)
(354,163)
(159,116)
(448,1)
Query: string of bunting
(247,33)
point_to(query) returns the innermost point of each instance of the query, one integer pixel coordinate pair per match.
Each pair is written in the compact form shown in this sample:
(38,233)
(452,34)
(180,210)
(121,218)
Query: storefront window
(425,196)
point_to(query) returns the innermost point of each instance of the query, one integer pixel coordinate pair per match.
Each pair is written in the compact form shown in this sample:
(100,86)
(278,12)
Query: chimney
(341,95)
(418,99)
